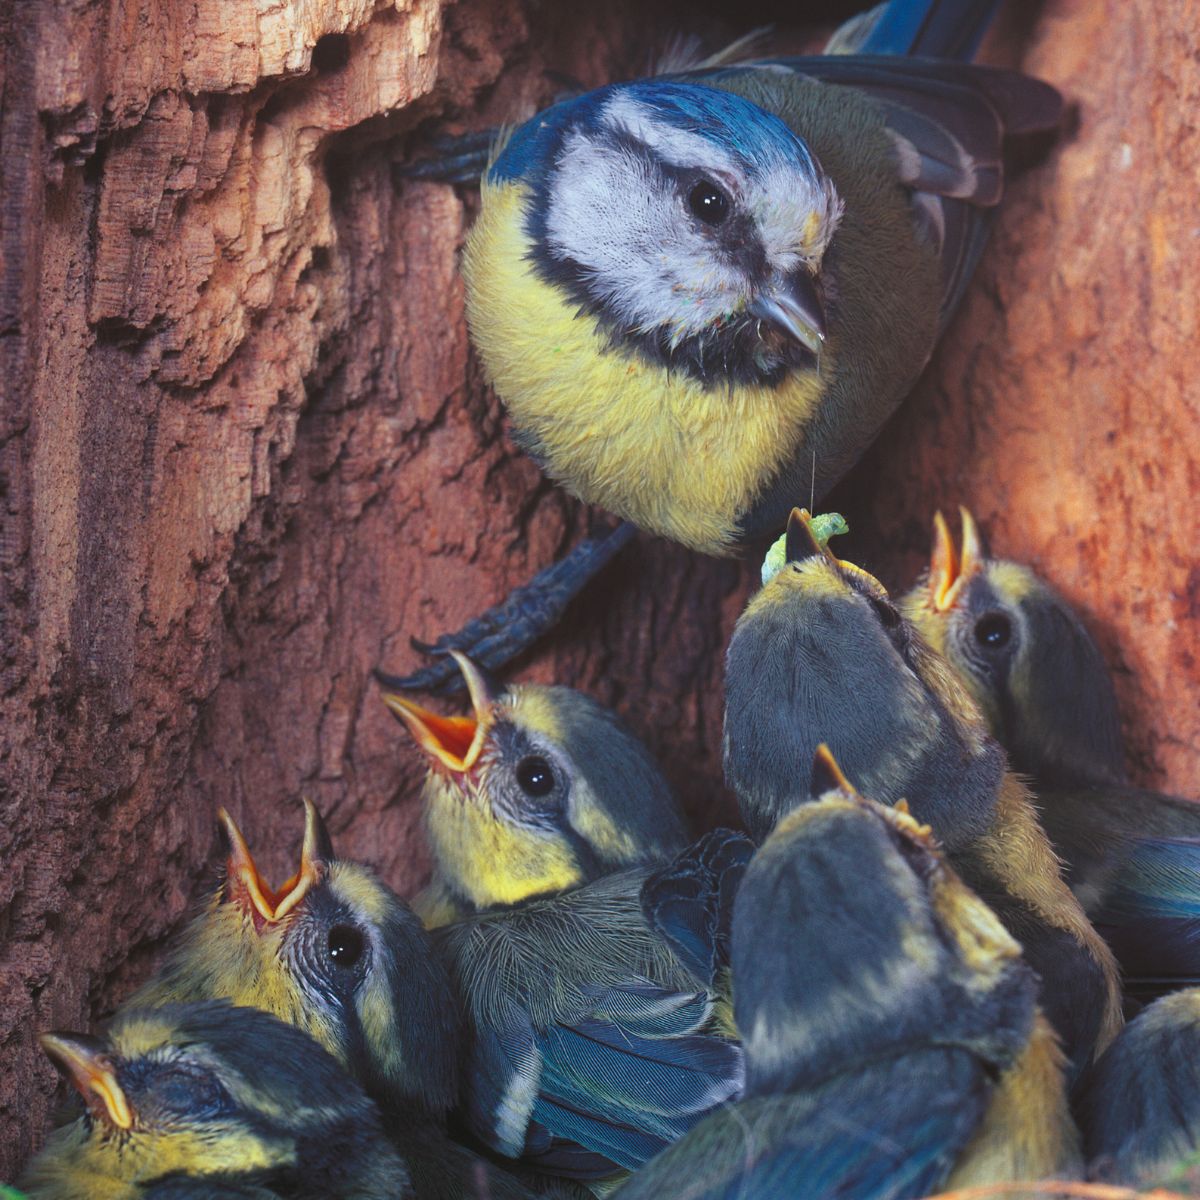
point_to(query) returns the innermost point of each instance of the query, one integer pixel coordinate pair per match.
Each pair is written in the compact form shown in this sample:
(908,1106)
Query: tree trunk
(246,451)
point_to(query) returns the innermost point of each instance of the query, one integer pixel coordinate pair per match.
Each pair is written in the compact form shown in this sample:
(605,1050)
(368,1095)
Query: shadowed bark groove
(245,450)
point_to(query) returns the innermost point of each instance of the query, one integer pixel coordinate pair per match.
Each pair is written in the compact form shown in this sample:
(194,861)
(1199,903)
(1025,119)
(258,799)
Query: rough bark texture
(246,452)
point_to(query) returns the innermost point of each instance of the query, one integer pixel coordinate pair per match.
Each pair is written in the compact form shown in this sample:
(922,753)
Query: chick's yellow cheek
(488,861)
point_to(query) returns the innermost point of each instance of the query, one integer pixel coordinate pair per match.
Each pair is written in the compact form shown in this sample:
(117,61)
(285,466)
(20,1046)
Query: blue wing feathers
(937,28)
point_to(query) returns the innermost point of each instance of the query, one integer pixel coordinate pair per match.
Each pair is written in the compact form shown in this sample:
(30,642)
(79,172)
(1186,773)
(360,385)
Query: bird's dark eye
(535,776)
(708,202)
(889,618)
(993,630)
(345,945)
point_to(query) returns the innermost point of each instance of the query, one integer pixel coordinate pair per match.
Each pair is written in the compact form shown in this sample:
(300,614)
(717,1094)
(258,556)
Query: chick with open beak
(1131,855)
(333,951)
(539,790)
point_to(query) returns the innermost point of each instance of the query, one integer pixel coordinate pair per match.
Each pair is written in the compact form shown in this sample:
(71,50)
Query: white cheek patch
(611,212)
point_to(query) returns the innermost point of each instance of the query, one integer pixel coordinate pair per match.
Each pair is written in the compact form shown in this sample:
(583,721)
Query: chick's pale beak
(83,1061)
(794,305)
(950,572)
(455,742)
(804,542)
(243,882)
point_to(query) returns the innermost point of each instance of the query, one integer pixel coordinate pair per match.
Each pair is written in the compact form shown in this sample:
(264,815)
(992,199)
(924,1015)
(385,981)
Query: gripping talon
(509,628)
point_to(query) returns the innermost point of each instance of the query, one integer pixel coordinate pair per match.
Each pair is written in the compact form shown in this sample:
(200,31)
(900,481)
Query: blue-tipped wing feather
(938,28)
(689,902)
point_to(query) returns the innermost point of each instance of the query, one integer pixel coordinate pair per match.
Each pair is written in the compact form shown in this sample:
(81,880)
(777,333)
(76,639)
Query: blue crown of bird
(821,654)
(203,1099)
(539,790)
(333,951)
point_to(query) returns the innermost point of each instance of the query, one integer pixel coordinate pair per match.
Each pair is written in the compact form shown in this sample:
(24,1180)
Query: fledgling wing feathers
(689,902)
(923,1108)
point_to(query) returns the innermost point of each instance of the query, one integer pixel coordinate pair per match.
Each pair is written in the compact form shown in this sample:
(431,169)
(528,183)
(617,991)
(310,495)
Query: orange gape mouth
(949,572)
(454,742)
(245,886)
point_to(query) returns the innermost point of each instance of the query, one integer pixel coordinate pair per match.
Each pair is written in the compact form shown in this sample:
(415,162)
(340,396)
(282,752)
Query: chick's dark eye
(708,202)
(535,776)
(993,630)
(345,945)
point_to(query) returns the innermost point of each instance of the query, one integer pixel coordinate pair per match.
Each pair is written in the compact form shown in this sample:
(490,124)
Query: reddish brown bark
(246,451)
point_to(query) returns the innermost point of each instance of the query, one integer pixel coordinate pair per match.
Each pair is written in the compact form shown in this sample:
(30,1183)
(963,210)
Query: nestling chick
(822,655)
(336,953)
(1132,856)
(879,1000)
(210,1100)
(1140,1104)
(591,1044)
(540,790)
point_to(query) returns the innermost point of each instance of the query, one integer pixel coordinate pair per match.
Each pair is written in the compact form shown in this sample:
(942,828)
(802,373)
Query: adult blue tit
(335,952)
(541,789)
(821,654)
(701,295)
(891,1035)
(1139,1106)
(1131,855)
(207,1100)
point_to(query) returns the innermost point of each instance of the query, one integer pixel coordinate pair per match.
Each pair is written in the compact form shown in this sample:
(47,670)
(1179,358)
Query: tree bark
(246,450)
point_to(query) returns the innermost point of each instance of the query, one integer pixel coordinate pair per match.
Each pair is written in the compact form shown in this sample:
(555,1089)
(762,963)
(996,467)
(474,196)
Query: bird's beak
(83,1061)
(455,742)
(244,883)
(802,542)
(828,776)
(794,305)
(949,571)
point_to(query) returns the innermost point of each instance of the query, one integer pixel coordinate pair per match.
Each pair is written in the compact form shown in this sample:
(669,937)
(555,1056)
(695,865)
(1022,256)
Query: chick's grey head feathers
(539,790)
(216,1099)
(336,953)
(853,940)
(821,654)
(1025,657)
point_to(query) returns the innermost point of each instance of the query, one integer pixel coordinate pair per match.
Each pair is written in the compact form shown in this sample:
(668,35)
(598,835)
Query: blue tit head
(822,655)
(540,790)
(335,952)
(210,1091)
(1026,658)
(852,939)
(687,221)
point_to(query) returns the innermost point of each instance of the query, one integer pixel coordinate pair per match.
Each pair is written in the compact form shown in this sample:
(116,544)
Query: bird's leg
(460,158)
(502,632)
